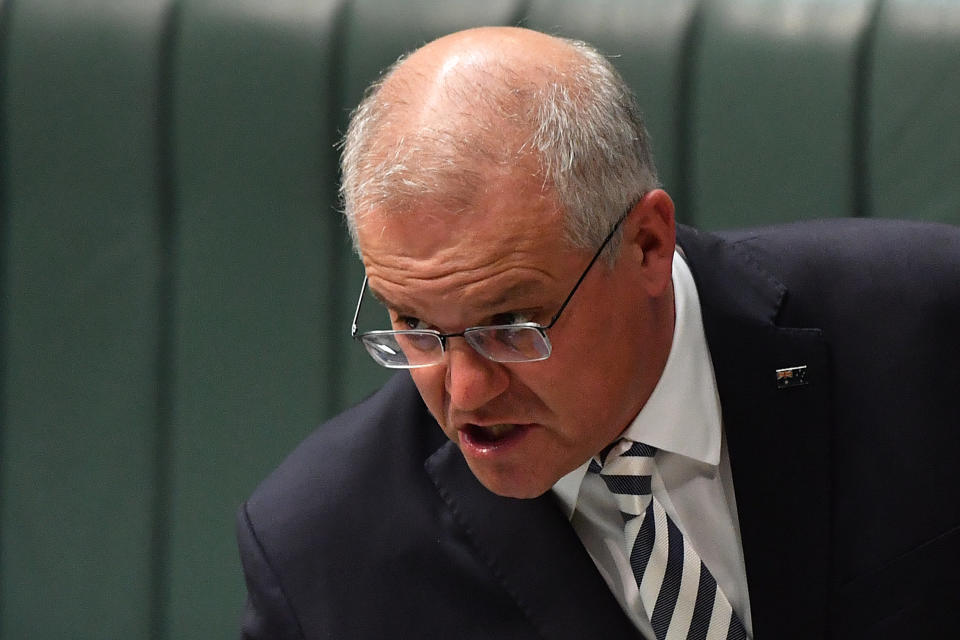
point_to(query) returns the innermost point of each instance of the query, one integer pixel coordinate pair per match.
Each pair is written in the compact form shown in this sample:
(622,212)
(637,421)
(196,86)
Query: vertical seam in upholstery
(521,15)
(861,205)
(338,259)
(5,13)
(166,296)
(4,256)
(683,118)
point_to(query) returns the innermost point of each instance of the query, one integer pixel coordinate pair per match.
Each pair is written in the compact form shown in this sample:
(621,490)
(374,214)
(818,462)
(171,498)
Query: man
(773,412)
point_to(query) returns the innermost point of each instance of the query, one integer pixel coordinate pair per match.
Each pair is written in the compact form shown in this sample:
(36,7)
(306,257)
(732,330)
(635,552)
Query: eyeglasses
(416,348)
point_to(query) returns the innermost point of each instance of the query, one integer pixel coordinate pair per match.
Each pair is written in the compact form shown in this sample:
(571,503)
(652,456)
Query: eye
(409,322)
(512,317)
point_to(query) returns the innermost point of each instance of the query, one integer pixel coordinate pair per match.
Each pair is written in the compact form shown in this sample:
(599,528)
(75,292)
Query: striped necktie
(678,592)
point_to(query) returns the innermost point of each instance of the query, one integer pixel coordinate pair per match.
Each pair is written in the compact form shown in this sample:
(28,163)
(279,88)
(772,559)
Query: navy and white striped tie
(680,595)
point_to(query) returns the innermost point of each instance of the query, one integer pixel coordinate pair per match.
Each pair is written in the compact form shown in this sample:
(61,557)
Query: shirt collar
(682,415)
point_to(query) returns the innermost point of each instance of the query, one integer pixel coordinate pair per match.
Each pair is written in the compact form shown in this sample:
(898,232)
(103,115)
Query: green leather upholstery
(253,296)
(773,108)
(176,285)
(81,319)
(914,111)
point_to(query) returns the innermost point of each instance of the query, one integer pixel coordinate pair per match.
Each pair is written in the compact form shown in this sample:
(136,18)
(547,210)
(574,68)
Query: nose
(471,379)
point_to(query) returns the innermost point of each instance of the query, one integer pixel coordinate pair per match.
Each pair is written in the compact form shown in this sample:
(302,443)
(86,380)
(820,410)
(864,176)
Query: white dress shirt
(682,420)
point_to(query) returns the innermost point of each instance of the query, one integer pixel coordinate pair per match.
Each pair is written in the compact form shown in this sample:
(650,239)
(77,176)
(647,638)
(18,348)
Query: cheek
(554,386)
(430,383)
(591,371)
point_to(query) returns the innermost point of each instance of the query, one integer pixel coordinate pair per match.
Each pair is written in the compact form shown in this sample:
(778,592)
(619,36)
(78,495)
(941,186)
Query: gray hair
(581,124)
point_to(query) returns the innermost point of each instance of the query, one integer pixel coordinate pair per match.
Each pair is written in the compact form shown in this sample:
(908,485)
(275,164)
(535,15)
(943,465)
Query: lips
(484,438)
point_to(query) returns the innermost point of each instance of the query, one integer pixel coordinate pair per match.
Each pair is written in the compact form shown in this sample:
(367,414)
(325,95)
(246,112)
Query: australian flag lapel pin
(792,377)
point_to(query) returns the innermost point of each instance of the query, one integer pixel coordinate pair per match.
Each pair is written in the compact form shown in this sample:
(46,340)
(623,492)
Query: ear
(649,239)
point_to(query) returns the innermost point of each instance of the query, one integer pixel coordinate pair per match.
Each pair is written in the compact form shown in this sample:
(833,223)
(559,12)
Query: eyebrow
(512,292)
(516,290)
(382,299)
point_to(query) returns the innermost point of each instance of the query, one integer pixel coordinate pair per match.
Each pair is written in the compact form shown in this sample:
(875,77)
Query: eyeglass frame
(542,329)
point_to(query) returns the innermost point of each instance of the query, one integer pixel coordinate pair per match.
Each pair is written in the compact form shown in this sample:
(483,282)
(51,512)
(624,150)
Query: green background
(176,284)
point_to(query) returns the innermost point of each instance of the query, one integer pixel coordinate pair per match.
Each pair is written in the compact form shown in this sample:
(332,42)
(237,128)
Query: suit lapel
(533,552)
(778,438)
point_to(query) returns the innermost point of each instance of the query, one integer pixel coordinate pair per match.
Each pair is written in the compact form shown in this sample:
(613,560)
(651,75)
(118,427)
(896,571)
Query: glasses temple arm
(356,314)
(583,275)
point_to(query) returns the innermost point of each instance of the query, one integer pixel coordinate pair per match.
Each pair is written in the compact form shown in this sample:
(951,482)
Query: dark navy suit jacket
(847,487)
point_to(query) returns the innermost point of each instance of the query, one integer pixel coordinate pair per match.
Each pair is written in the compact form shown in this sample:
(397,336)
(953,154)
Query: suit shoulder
(839,273)
(850,256)
(853,239)
(347,461)
(352,510)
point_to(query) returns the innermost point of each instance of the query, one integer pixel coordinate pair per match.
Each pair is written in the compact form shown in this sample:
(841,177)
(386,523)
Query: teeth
(490,433)
(498,430)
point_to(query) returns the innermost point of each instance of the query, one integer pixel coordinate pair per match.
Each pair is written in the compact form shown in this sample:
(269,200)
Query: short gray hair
(581,124)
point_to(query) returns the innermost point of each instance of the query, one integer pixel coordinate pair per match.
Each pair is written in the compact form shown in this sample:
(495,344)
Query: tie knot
(622,448)
(626,467)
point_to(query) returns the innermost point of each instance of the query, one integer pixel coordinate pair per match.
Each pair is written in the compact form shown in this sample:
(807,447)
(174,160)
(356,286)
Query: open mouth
(490,434)
(491,437)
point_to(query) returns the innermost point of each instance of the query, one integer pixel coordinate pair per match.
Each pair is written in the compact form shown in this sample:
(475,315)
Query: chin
(521,489)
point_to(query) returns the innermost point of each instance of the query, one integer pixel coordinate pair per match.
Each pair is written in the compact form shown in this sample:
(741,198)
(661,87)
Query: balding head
(490,101)
(486,63)
(483,54)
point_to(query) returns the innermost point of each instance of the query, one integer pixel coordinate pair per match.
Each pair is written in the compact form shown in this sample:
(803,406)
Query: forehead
(510,243)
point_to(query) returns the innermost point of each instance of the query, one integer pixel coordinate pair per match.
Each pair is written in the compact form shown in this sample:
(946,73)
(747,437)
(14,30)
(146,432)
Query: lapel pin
(792,377)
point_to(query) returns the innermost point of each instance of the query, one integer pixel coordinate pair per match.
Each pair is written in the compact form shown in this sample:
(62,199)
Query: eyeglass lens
(412,349)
